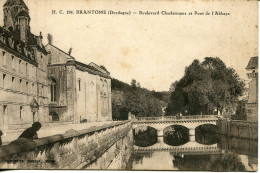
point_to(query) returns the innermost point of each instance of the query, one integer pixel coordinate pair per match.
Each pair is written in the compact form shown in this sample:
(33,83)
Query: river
(233,154)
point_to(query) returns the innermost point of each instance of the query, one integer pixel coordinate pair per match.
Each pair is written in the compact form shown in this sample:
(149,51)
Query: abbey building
(43,83)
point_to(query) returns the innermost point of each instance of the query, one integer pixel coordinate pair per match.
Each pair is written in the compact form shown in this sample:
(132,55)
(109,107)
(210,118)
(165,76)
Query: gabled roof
(15,2)
(81,66)
(60,50)
(253,63)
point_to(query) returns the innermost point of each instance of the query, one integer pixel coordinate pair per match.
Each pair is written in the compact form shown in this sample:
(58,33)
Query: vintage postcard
(129,85)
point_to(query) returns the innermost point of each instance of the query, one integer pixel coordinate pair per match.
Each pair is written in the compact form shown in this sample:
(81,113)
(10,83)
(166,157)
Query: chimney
(70,50)
(39,39)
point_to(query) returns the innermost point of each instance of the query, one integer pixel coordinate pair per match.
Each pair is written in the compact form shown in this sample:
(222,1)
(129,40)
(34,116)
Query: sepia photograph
(149,85)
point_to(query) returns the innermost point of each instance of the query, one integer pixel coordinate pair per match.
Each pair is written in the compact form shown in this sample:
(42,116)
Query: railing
(165,118)
(32,144)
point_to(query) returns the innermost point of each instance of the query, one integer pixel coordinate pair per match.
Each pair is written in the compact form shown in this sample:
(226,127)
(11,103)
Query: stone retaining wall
(240,129)
(71,150)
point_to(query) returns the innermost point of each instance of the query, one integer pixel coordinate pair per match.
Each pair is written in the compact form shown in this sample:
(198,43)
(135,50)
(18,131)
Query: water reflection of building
(252,104)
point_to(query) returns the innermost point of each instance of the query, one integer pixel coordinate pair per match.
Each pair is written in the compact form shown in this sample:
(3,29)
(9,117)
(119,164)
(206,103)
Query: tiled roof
(17,48)
(32,40)
(253,63)
(90,69)
(60,50)
(15,2)
(99,68)
(81,66)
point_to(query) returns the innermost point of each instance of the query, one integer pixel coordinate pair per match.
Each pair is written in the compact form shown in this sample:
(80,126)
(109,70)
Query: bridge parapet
(71,150)
(167,118)
(160,123)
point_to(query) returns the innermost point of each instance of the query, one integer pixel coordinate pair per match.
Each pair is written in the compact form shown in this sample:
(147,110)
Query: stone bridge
(160,123)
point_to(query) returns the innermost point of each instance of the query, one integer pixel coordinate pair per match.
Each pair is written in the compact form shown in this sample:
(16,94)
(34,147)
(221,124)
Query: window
(49,58)
(4,76)
(43,91)
(4,58)
(26,68)
(27,86)
(13,63)
(53,91)
(79,85)
(20,68)
(21,112)
(13,82)
(5,109)
(32,88)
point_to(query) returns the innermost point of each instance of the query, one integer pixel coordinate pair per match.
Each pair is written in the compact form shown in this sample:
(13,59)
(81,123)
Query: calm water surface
(234,155)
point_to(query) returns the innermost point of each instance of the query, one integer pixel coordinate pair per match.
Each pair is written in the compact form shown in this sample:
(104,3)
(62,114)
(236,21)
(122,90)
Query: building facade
(23,70)
(38,86)
(252,104)
(79,92)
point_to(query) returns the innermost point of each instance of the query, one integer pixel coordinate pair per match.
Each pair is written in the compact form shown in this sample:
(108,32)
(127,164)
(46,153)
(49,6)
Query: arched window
(53,90)
(79,81)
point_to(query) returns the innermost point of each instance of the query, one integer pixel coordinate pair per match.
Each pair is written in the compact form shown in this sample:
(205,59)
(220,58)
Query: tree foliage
(139,101)
(205,87)
(144,138)
(220,163)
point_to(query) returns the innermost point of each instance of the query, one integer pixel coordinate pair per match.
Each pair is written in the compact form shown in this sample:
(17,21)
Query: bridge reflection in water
(188,148)
(240,154)
(206,152)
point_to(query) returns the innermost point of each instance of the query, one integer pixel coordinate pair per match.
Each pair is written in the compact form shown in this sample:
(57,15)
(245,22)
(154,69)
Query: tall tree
(173,86)
(133,83)
(205,87)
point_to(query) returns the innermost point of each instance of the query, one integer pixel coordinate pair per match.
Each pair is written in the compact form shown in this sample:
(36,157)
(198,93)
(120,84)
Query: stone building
(252,104)
(23,70)
(38,86)
(79,92)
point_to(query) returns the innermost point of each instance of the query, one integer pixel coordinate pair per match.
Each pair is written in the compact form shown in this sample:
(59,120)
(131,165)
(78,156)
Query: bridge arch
(208,126)
(206,134)
(145,136)
(160,123)
(175,135)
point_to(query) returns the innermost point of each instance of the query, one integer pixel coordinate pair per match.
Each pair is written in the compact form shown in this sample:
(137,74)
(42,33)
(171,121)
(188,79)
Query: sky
(153,49)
